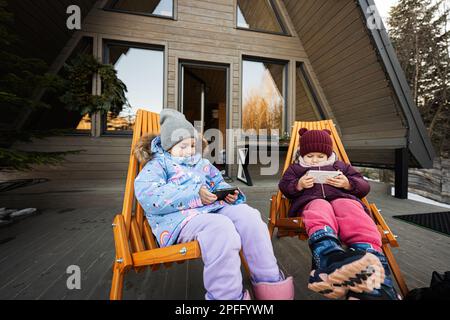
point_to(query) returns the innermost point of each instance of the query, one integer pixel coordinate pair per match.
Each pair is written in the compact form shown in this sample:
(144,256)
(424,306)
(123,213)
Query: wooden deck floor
(74,228)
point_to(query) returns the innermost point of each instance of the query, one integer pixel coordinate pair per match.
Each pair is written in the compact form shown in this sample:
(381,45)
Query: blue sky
(383,7)
(142,72)
(164,8)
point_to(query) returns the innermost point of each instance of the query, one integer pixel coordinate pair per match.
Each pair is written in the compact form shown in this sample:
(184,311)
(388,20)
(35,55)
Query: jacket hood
(157,150)
(155,146)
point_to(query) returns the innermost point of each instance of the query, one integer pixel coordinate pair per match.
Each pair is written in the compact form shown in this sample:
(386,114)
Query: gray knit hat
(175,128)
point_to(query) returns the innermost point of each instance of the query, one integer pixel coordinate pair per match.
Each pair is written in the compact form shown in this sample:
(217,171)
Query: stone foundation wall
(431,183)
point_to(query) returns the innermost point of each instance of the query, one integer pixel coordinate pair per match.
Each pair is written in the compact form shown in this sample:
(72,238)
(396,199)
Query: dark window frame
(106,43)
(173,17)
(278,16)
(284,126)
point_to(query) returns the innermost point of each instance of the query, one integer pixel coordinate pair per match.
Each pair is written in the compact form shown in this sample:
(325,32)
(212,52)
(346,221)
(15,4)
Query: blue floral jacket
(167,189)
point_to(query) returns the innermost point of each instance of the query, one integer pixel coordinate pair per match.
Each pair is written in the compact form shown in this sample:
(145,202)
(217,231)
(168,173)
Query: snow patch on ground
(419,198)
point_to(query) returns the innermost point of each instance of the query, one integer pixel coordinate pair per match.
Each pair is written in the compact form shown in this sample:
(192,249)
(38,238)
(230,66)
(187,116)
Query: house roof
(420,144)
(365,88)
(34,19)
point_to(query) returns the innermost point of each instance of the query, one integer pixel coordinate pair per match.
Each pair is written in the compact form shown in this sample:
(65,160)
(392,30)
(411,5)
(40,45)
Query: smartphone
(222,193)
(322,176)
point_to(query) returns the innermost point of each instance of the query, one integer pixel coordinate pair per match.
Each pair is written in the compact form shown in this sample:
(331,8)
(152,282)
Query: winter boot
(386,291)
(282,290)
(246,295)
(335,270)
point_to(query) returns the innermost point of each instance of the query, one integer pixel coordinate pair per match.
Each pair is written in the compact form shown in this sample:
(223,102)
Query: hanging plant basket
(78,95)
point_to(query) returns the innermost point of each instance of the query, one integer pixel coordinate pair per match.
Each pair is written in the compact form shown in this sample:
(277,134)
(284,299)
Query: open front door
(203,100)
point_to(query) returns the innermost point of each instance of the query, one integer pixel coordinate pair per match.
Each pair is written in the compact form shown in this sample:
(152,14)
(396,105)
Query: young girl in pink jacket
(334,215)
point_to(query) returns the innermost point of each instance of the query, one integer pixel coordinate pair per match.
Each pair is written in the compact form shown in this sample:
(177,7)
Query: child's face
(314,158)
(184,148)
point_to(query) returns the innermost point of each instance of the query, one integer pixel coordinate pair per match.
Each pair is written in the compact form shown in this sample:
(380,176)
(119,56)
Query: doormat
(436,221)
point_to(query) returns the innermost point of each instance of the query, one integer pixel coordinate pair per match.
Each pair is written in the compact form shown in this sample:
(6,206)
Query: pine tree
(20,79)
(420,35)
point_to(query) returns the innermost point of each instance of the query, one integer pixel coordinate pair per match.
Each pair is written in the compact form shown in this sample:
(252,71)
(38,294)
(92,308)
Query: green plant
(22,78)
(78,85)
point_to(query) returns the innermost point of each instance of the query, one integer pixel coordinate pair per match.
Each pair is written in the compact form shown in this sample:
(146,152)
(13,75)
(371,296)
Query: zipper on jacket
(323,190)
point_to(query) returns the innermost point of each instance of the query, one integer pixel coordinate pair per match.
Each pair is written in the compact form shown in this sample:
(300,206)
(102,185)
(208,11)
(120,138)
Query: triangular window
(259,15)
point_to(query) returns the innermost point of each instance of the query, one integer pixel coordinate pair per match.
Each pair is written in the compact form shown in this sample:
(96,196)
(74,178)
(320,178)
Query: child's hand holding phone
(341,181)
(230,195)
(305,182)
(206,196)
(232,198)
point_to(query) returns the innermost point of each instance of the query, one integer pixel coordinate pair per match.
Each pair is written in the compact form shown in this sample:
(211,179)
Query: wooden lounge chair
(286,226)
(135,243)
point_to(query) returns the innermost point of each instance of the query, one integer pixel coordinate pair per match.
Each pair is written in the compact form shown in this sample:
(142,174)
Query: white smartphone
(322,176)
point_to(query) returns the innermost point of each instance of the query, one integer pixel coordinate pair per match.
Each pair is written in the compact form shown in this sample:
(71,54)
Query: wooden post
(401,173)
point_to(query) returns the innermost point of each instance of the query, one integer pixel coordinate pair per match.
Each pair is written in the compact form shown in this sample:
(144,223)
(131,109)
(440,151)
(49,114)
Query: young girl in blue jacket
(175,190)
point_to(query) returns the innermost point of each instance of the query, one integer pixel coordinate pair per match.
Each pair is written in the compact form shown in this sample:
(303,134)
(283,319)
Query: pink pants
(346,217)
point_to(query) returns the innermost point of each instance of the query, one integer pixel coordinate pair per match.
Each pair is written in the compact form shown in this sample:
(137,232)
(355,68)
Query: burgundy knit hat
(315,141)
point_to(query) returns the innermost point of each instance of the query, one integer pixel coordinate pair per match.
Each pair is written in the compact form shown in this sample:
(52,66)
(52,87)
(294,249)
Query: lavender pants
(221,236)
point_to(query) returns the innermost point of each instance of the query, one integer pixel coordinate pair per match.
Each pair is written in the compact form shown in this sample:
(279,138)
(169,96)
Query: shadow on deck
(74,228)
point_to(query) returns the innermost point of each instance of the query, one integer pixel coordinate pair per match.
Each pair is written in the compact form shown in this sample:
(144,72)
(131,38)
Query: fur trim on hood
(142,150)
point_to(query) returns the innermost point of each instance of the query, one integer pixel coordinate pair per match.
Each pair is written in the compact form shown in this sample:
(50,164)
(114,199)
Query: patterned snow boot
(386,290)
(335,271)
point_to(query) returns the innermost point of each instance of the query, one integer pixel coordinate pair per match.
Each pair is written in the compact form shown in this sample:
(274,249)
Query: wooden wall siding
(373,156)
(42,25)
(103,158)
(204,31)
(335,38)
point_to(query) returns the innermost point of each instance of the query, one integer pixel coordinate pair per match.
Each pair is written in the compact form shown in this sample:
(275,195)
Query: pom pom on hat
(302,131)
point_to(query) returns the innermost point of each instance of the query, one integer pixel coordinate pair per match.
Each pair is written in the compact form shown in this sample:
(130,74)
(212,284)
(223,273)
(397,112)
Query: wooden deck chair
(286,226)
(135,243)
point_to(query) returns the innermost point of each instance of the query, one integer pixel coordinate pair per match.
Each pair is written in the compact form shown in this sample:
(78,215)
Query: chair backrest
(338,147)
(146,122)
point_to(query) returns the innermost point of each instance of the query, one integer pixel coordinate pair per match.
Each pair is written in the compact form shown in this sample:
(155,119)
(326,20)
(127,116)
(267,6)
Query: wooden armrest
(183,251)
